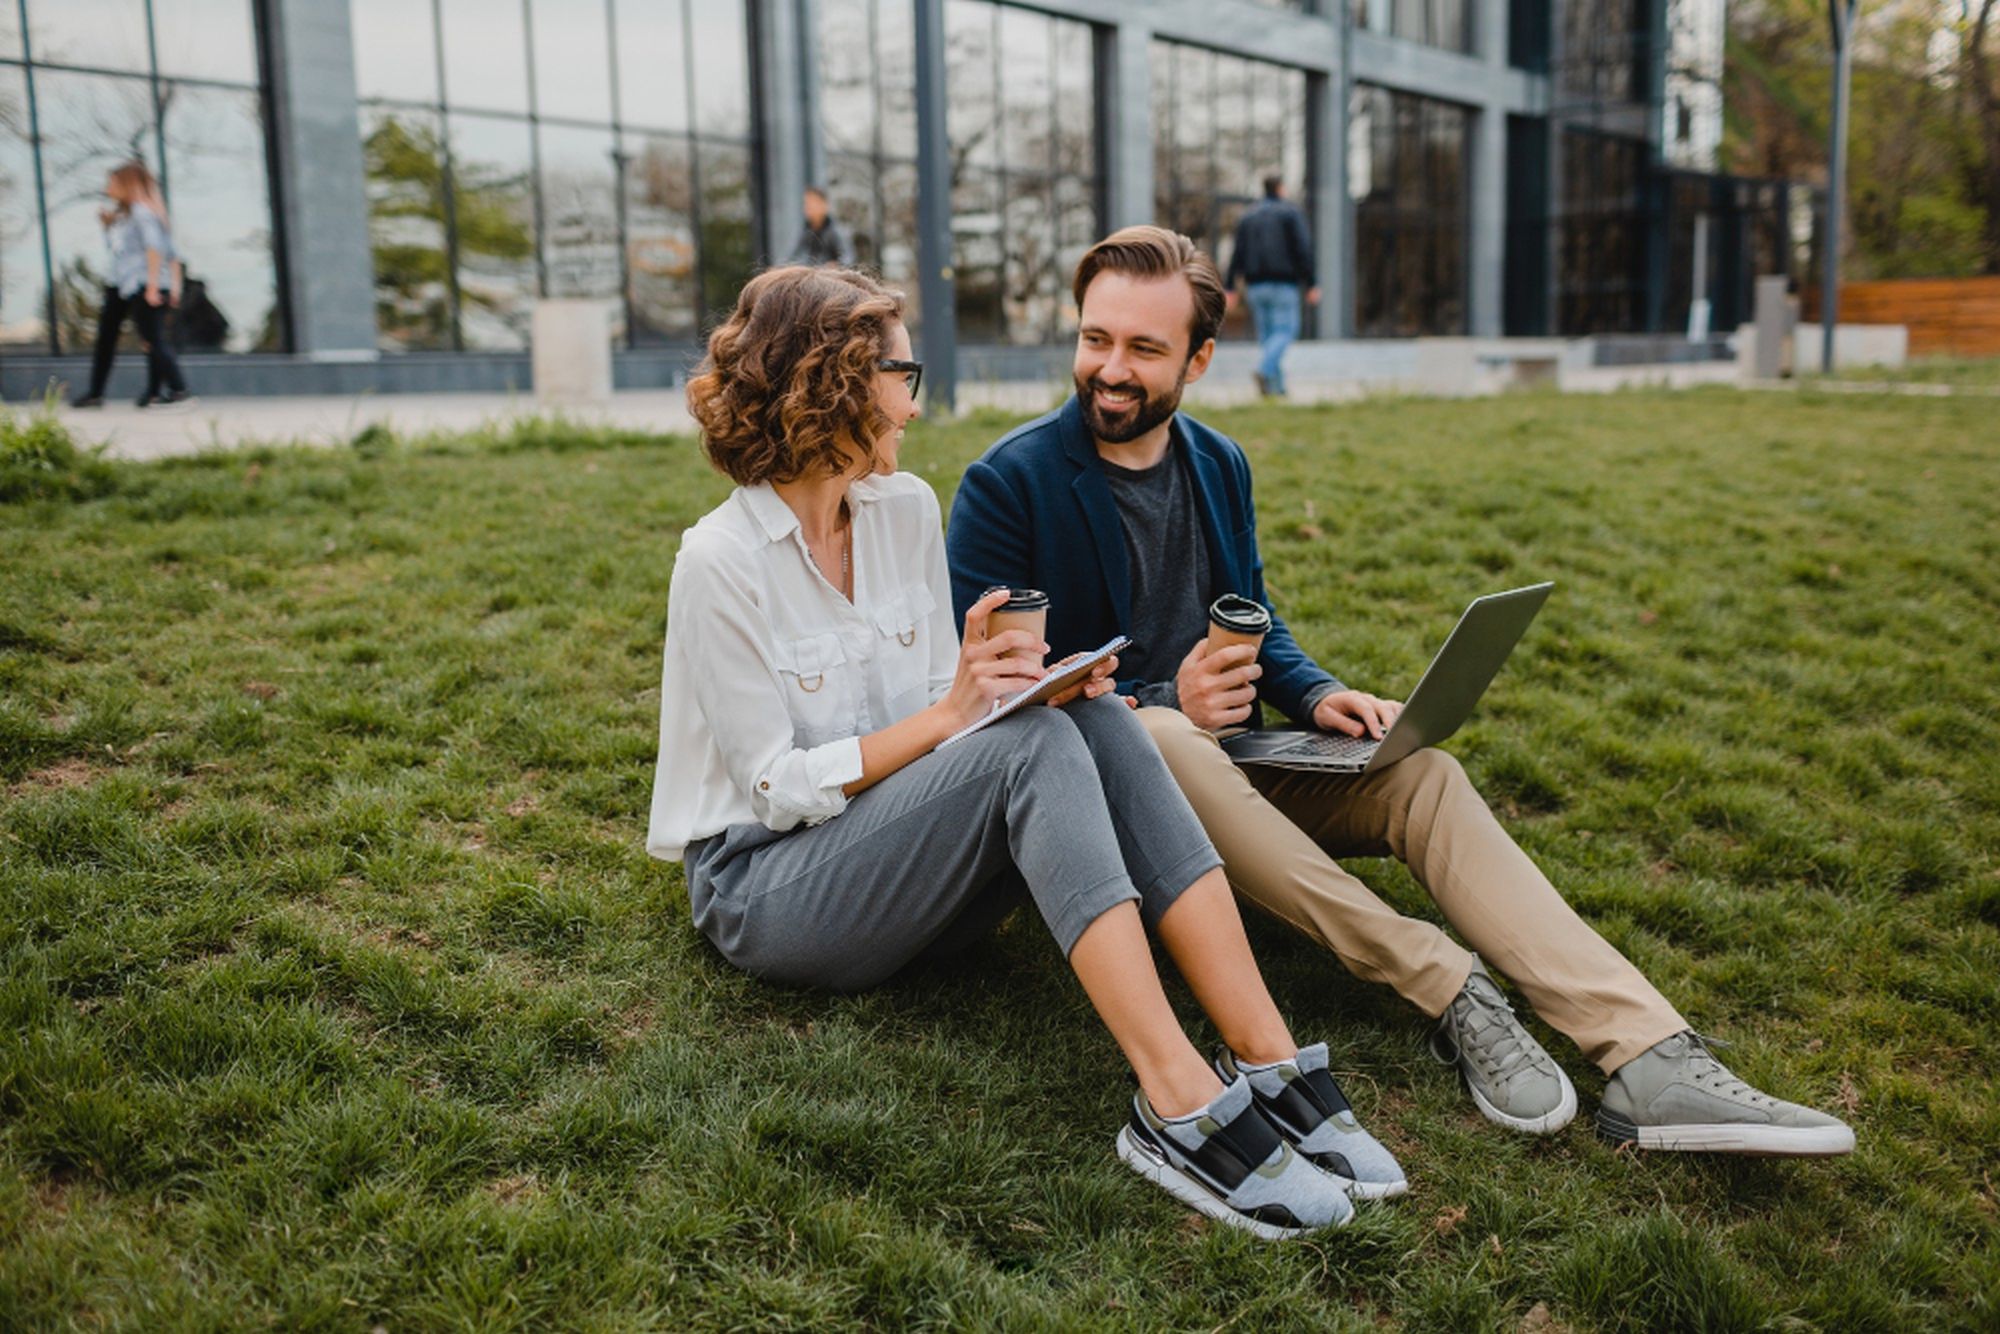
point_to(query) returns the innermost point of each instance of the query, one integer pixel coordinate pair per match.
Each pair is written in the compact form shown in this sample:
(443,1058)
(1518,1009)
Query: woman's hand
(986,671)
(1099,682)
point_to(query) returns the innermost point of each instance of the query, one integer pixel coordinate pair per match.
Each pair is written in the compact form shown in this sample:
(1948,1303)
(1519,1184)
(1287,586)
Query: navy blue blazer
(1035,512)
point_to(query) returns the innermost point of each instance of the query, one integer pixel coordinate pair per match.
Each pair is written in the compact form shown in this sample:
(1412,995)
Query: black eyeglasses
(913,369)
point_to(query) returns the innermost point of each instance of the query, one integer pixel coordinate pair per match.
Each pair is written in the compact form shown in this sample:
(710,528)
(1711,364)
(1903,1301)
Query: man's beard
(1149,413)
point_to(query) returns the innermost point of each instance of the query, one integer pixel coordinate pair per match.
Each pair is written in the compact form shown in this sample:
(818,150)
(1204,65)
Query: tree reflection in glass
(403,157)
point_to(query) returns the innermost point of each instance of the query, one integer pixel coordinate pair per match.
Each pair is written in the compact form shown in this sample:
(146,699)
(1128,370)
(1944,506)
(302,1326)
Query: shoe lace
(1485,1026)
(1710,1073)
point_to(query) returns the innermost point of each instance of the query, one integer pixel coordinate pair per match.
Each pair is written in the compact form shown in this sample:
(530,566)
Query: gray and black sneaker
(1227,1161)
(1676,1096)
(1301,1098)
(1514,1082)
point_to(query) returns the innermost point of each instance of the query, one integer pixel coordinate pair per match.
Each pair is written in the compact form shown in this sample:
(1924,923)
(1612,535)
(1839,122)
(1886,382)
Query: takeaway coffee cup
(1234,619)
(1025,609)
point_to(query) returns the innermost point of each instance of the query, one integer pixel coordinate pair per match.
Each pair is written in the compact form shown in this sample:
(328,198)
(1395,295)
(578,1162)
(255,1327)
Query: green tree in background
(1924,200)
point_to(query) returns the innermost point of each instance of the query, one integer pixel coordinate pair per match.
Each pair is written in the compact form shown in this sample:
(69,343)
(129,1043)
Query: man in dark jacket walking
(823,241)
(1273,257)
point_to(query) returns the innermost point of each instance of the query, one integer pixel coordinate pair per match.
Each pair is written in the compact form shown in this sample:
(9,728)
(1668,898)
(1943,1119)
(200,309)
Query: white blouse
(772,677)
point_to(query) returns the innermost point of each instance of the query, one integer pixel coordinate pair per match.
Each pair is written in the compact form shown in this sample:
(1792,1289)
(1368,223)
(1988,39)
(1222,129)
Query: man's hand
(1312,296)
(1356,713)
(1218,689)
(1229,299)
(153,297)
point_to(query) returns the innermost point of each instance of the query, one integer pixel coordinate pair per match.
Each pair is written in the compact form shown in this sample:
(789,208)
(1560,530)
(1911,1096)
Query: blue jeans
(1274,309)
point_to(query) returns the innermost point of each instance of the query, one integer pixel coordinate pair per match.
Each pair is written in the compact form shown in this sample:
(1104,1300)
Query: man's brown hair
(1154,252)
(788,387)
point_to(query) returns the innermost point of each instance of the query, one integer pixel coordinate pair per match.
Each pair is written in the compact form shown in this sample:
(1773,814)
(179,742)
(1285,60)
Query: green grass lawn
(337,990)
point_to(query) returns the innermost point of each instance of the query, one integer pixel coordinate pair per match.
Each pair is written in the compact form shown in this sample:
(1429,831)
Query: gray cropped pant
(1075,802)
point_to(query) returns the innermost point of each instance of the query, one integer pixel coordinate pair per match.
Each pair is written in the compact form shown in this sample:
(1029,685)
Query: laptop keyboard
(1333,746)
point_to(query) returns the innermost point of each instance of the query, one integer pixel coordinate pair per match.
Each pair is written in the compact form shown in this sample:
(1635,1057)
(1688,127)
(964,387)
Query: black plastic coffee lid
(1233,611)
(1021,599)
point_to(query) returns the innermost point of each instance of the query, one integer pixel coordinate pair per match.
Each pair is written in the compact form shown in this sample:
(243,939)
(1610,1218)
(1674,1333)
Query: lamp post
(1840,20)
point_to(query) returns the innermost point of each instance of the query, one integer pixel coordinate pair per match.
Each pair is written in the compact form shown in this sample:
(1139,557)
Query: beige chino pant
(1279,831)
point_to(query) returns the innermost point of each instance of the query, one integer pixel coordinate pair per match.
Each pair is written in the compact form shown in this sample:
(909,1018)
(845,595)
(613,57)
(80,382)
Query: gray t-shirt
(1167,555)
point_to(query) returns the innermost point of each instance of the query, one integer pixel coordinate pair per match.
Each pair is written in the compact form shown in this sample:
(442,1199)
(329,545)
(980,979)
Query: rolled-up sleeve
(724,636)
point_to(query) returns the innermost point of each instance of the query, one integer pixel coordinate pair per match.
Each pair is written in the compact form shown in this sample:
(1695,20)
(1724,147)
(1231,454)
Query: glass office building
(375,193)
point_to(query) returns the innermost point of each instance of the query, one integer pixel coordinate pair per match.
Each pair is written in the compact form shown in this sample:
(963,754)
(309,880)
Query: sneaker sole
(1761,1141)
(1197,1196)
(1546,1124)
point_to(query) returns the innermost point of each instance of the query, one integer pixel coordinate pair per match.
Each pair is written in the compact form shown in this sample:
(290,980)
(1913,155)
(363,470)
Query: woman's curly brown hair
(788,387)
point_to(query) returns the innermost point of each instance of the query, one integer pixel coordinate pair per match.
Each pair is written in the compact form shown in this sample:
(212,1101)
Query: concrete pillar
(1488,171)
(323,193)
(1332,206)
(788,108)
(1125,80)
(935,277)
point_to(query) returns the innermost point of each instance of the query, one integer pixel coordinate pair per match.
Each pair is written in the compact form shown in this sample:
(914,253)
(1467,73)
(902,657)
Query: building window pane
(10,32)
(1227,123)
(721,54)
(976,254)
(728,225)
(90,124)
(493,207)
(896,38)
(1028,280)
(572,60)
(206,39)
(652,63)
(395,49)
(23,284)
(852,189)
(485,54)
(579,211)
(975,100)
(847,78)
(1407,170)
(898,262)
(222,219)
(1027,88)
(660,239)
(103,34)
(1076,105)
(402,153)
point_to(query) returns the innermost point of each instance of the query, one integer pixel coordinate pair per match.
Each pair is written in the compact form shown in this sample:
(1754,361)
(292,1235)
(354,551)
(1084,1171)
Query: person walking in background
(1273,257)
(145,278)
(823,241)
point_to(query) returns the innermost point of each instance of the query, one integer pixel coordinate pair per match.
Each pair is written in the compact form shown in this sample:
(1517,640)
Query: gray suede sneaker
(1513,1081)
(1675,1095)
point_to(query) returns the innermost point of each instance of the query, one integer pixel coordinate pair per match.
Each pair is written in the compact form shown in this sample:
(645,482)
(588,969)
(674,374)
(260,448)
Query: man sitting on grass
(1133,518)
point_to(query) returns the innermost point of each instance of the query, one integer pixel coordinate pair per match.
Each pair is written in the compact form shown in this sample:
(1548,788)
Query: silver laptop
(1439,706)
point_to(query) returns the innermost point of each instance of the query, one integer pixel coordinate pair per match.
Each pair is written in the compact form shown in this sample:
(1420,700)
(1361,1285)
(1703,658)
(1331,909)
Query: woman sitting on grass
(812,668)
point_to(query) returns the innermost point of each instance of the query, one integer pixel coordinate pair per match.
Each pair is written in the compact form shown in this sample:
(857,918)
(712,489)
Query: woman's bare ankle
(1178,1092)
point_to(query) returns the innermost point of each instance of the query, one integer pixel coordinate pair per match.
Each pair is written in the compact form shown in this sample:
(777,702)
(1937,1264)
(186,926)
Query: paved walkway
(223,423)
(153,433)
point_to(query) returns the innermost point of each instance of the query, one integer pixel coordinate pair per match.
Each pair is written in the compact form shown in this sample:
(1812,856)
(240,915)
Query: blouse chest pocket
(819,695)
(902,647)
